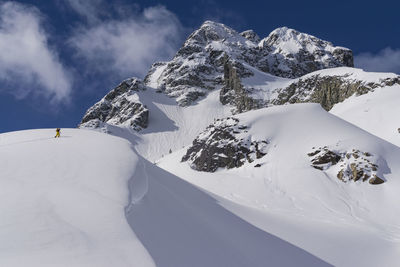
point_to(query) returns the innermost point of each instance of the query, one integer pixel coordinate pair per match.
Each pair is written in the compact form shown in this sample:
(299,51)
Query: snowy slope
(63,203)
(308,207)
(170,126)
(377,112)
(182,225)
(62,200)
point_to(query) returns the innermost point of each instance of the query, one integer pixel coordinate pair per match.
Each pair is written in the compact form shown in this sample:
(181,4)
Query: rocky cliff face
(326,87)
(331,87)
(224,144)
(199,65)
(235,93)
(121,106)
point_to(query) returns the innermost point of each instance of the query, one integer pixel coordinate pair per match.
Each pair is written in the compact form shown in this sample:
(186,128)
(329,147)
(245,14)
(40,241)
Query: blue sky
(57,58)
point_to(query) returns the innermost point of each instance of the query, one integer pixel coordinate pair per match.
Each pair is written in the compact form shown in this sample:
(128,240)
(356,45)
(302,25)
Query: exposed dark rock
(353,166)
(120,106)
(251,36)
(220,147)
(199,64)
(326,157)
(376,180)
(326,90)
(233,91)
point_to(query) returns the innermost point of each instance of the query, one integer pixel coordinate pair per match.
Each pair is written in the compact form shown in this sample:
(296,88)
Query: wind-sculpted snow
(182,225)
(376,112)
(62,204)
(62,200)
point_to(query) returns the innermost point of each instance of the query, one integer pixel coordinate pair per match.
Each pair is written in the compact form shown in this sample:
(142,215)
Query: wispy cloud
(129,45)
(386,60)
(91,10)
(27,64)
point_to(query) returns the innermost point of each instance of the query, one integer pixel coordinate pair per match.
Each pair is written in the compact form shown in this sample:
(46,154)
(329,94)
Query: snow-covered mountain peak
(251,35)
(211,31)
(199,65)
(293,53)
(285,37)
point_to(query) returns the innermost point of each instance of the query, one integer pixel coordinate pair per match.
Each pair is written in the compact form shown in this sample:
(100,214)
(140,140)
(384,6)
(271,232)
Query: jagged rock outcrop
(224,144)
(198,66)
(348,166)
(234,93)
(330,87)
(121,106)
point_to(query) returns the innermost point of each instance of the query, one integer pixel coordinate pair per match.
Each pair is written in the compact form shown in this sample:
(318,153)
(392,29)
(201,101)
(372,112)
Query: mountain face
(121,106)
(250,73)
(292,54)
(214,57)
(232,113)
(198,66)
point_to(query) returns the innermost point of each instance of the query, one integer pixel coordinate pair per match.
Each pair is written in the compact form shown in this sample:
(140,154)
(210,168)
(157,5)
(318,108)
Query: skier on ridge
(57,133)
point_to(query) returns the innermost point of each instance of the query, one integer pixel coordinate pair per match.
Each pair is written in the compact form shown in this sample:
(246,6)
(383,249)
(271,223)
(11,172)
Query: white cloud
(386,60)
(27,63)
(129,46)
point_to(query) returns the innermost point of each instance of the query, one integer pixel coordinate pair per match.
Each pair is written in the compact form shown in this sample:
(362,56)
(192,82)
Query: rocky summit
(198,66)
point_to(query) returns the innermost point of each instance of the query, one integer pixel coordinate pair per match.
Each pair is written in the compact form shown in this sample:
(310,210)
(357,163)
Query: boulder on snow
(224,144)
(350,165)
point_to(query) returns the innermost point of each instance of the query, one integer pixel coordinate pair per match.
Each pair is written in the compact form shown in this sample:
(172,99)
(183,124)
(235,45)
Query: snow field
(62,200)
(286,193)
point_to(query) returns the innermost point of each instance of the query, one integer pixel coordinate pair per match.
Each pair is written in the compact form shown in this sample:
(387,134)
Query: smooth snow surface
(181,225)
(62,200)
(377,112)
(62,203)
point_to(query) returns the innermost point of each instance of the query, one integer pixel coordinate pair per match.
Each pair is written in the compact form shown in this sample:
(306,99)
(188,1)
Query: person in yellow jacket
(57,133)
